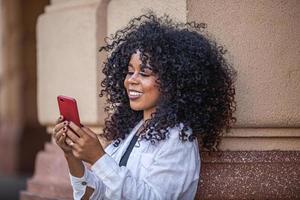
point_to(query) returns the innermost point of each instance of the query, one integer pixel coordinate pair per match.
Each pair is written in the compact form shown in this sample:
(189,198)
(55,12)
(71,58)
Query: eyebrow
(147,67)
(130,65)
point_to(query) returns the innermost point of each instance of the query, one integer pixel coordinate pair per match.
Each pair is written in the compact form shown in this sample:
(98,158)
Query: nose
(134,78)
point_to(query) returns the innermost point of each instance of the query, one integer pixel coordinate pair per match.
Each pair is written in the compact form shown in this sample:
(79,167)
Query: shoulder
(174,140)
(175,150)
(177,130)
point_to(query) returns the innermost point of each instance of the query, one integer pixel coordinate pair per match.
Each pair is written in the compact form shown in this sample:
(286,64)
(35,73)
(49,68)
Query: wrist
(69,155)
(96,158)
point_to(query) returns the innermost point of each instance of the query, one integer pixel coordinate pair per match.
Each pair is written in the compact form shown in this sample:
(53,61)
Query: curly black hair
(195,80)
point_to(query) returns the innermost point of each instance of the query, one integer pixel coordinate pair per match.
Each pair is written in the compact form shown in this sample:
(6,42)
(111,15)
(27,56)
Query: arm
(77,178)
(177,160)
(87,186)
(83,182)
(75,165)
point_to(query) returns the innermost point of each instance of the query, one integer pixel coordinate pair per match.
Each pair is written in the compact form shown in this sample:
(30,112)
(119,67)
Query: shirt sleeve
(174,174)
(89,179)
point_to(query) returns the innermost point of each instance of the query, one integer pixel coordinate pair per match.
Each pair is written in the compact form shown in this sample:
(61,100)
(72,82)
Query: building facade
(259,157)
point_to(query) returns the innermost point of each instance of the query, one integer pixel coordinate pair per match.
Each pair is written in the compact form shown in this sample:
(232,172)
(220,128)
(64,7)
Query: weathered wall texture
(11,114)
(120,12)
(20,137)
(69,35)
(263,40)
(263,45)
(67,59)
(1,47)
(261,154)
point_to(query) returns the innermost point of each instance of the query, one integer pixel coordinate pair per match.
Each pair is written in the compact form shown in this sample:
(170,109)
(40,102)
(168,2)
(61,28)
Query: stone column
(69,35)
(11,110)
(261,154)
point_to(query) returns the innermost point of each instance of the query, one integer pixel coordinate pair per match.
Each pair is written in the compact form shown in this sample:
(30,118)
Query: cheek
(156,93)
(152,92)
(154,98)
(125,83)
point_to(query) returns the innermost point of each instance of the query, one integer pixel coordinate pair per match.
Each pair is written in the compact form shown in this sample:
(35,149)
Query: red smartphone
(68,109)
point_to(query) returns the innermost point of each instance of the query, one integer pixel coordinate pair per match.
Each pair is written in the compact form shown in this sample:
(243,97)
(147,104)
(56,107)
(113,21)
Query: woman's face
(141,86)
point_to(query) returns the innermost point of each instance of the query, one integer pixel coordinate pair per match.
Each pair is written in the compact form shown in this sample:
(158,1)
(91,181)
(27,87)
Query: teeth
(131,93)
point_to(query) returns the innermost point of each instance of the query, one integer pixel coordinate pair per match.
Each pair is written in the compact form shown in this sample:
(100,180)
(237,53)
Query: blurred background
(50,47)
(20,131)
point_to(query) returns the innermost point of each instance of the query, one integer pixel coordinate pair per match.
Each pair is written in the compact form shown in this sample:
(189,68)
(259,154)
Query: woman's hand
(60,137)
(85,143)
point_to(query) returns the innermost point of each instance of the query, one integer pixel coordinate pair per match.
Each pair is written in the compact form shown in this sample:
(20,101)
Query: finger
(61,140)
(76,129)
(60,126)
(69,142)
(89,131)
(60,119)
(58,134)
(72,135)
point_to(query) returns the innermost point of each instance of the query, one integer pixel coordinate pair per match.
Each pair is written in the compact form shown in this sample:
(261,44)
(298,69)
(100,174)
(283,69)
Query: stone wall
(20,137)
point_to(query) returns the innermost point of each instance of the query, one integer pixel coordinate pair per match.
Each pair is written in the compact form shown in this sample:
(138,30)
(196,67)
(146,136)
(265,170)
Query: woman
(165,84)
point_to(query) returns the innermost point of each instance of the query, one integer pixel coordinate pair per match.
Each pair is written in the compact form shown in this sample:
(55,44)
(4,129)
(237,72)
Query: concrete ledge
(252,139)
(260,144)
(250,175)
(264,132)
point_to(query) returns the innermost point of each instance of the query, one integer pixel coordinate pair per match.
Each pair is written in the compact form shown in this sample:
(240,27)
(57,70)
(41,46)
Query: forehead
(139,60)
(135,59)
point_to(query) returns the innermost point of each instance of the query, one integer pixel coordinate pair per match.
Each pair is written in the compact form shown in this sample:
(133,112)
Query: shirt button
(83,183)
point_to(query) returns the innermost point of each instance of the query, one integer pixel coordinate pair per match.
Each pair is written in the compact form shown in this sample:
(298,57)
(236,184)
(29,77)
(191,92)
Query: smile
(133,95)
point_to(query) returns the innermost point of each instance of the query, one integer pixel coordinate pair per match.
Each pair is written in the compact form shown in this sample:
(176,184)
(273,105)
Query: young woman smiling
(166,84)
(141,87)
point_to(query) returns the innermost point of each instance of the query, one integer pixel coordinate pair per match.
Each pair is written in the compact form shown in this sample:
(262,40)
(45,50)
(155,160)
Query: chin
(135,108)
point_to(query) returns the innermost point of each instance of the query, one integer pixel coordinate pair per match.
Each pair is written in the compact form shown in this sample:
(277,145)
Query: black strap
(124,159)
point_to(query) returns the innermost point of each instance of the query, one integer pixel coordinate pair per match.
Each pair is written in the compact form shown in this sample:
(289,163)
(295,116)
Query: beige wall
(1,41)
(20,133)
(70,33)
(30,10)
(264,44)
(68,43)
(11,110)
(1,59)
(120,11)
(260,36)
(11,73)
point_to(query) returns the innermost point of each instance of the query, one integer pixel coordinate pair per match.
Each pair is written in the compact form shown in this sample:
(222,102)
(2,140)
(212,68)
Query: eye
(129,73)
(145,74)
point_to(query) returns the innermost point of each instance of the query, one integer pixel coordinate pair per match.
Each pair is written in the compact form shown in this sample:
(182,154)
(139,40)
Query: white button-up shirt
(168,169)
